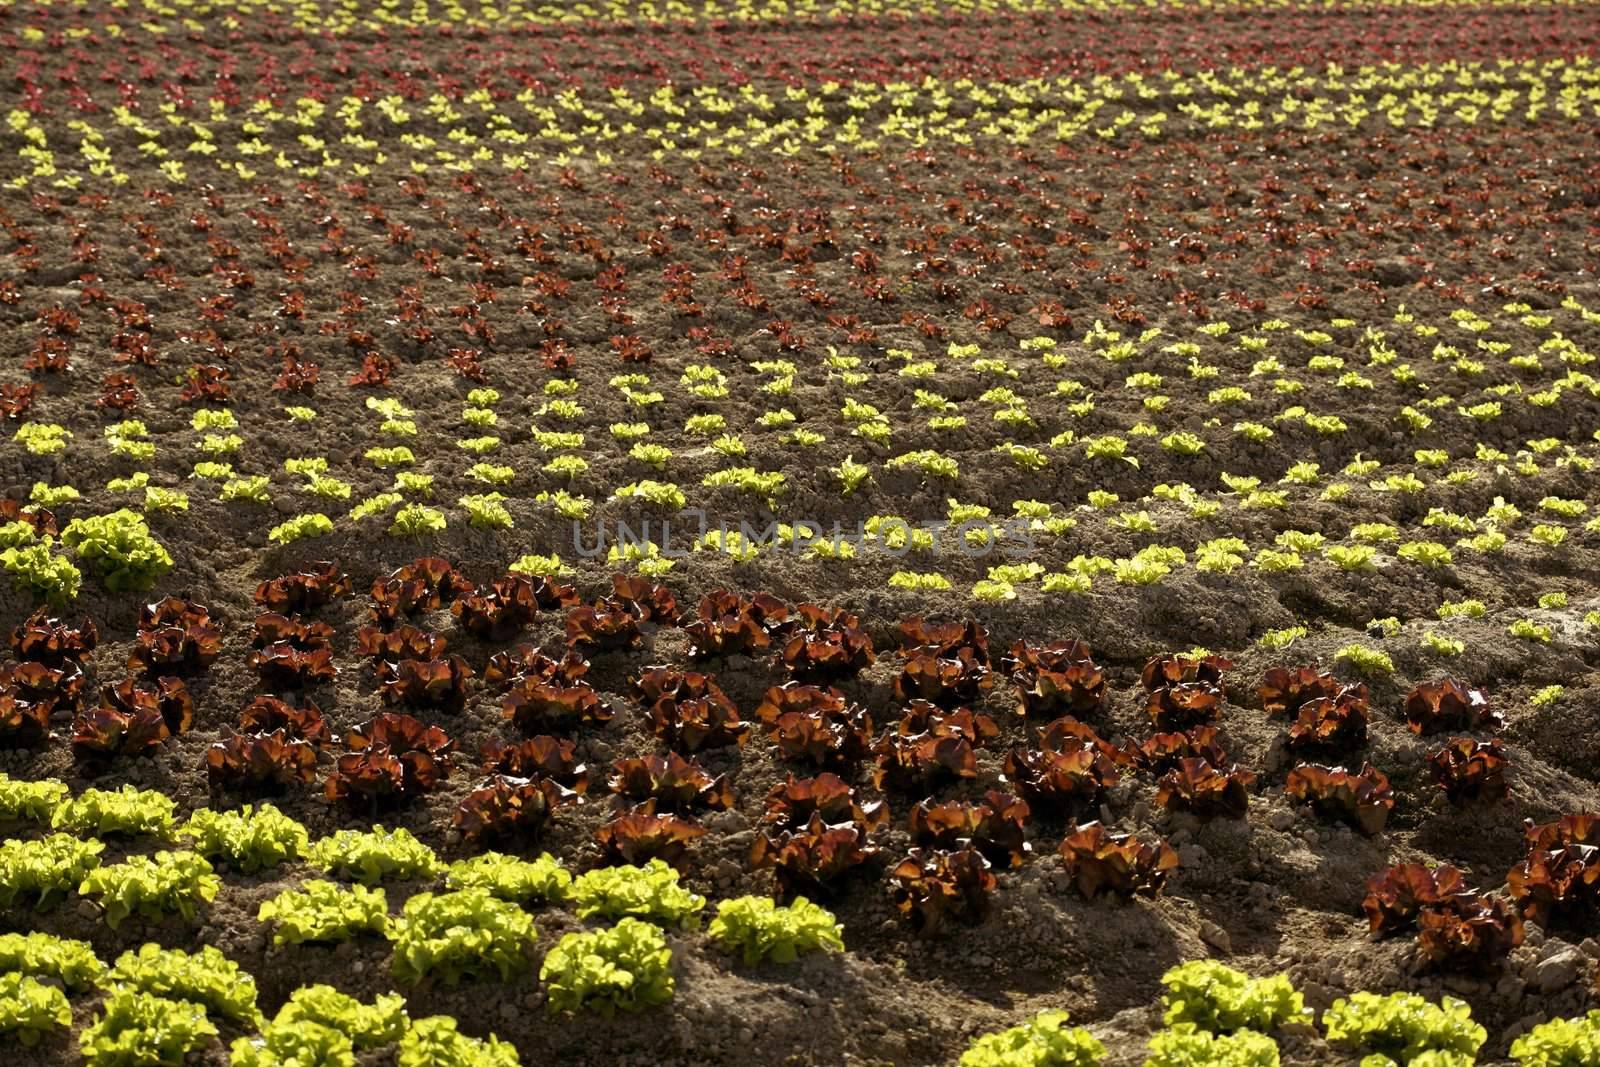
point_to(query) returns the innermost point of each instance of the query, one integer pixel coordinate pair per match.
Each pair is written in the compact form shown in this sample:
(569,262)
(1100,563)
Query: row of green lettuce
(1217,1016)
(159,1005)
(478,928)
(483,892)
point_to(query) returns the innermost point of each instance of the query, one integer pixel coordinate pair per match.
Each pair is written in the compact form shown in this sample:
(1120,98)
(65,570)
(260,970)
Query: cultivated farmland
(998,532)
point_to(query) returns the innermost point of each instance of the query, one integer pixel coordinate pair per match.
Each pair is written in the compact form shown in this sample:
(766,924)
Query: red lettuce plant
(1195,786)
(1056,679)
(928,742)
(1182,691)
(811,857)
(41,520)
(291,653)
(945,640)
(167,696)
(539,692)
(1448,705)
(303,590)
(260,762)
(30,693)
(727,624)
(1471,770)
(1364,799)
(1396,896)
(417,588)
(534,706)
(1070,769)
(816,725)
(1284,689)
(934,886)
(1160,753)
(43,638)
(948,681)
(431,683)
(304,722)
(614,622)
(176,637)
(508,808)
(672,784)
(506,669)
(1473,932)
(403,642)
(792,804)
(994,826)
(505,608)
(1099,861)
(1456,926)
(24,723)
(826,645)
(1559,879)
(688,710)
(393,757)
(103,733)
(538,757)
(642,834)
(1332,724)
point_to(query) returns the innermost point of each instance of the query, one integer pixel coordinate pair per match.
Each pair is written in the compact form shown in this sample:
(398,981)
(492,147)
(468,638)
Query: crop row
(351,137)
(718,262)
(161,1003)
(815,831)
(1429,537)
(54,45)
(325,17)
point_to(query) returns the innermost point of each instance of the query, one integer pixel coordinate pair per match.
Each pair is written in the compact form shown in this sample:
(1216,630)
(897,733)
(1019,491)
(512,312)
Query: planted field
(1008,532)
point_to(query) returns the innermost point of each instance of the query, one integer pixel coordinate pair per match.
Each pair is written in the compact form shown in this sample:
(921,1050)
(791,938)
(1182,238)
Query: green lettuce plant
(485,511)
(325,911)
(30,1010)
(299,528)
(1399,1027)
(650,892)
(205,977)
(397,456)
(119,549)
(137,1030)
(465,933)
(1043,1041)
(45,495)
(1217,998)
(296,1045)
(17,534)
(322,1027)
(1185,1045)
(417,520)
(42,438)
(172,882)
(121,811)
(627,966)
(25,801)
(435,1042)
(1371,662)
(251,490)
(510,878)
(759,929)
(47,868)
(41,955)
(374,856)
(40,572)
(367,1025)
(1560,1043)
(250,839)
